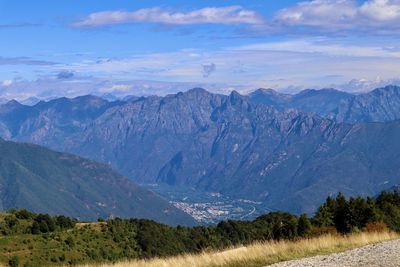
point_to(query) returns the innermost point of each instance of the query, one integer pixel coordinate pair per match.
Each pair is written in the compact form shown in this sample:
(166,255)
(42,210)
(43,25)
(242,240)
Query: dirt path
(386,254)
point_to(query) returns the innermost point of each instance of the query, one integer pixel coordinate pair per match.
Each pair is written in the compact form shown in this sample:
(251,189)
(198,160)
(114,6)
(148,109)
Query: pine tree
(342,215)
(303,225)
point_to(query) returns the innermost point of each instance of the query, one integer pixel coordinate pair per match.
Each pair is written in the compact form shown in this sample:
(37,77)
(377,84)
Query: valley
(209,208)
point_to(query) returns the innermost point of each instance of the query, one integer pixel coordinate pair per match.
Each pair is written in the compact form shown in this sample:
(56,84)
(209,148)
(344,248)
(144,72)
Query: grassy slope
(262,254)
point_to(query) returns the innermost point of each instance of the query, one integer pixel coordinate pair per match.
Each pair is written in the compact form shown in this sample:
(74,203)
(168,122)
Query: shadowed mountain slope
(42,180)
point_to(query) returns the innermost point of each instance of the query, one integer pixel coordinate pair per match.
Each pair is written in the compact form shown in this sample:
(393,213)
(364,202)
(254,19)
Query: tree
(46,223)
(324,216)
(44,228)
(303,225)
(11,221)
(342,215)
(35,229)
(64,222)
(24,214)
(363,211)
(283,224)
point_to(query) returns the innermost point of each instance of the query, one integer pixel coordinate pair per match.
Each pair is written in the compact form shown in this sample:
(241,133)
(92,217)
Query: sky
(123,47)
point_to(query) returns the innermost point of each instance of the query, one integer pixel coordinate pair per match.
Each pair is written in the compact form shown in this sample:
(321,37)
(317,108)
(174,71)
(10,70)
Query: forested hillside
(38,239)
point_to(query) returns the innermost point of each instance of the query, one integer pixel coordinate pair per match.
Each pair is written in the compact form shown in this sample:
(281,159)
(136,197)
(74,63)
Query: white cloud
(49,87)
(381,10)
(338,16)
(314,17)
(325,13)
(365,85)
(7,83)
(208,15)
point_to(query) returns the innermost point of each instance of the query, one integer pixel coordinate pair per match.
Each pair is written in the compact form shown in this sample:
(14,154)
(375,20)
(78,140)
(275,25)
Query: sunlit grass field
(261,254)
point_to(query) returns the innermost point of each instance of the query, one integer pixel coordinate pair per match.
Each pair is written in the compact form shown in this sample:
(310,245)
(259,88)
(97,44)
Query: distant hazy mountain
(41,180)
(287,158)
(379,105)
(30,101)
(109,97)
(321,102)
(382,104)
(130,98)
(49,123)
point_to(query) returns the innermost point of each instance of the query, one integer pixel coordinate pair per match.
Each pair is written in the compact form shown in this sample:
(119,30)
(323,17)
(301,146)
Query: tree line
(117,238)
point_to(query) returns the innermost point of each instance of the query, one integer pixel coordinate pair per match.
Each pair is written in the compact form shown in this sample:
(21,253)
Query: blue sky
(70,47)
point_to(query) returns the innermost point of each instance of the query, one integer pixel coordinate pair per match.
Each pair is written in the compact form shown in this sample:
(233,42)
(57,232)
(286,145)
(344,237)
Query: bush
(376,227)
(14,261)
(324,230)
(35,228)
(70,242)
(24,214)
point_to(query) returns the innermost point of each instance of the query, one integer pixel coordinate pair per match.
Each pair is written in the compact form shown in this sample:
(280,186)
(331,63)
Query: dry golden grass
(261,254)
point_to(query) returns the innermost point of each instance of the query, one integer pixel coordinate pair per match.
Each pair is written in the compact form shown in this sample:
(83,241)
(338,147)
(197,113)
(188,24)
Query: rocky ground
(386,254)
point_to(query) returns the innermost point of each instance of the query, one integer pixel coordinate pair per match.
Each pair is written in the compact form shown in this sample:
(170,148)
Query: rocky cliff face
(380,105)
(321,102)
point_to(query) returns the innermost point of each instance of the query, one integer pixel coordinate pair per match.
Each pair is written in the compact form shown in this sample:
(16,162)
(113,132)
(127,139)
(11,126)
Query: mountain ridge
(230,145)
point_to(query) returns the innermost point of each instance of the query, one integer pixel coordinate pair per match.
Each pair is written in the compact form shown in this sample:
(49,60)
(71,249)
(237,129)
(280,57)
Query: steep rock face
(321,102)
(379,105)
(140,136)
(42,180)
(49,123)
(12,115)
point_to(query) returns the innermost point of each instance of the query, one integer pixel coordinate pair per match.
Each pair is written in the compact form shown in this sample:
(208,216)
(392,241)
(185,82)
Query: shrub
(70,242)
(376,227)
(14,261)
(324,230)
(24,214)
(35,228)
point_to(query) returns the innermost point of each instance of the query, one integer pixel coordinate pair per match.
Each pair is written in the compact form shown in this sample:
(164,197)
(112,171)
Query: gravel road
(386,254)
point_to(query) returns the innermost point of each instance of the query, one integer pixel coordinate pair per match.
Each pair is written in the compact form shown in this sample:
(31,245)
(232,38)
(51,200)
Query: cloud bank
(339,16)
(315,17)
(208,15)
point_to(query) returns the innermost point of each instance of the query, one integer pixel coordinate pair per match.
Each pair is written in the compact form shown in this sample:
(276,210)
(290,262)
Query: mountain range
(379,105)
(287,151)
(42,180)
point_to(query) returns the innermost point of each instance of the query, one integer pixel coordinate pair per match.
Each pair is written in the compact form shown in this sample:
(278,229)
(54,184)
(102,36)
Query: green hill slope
(42,180)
